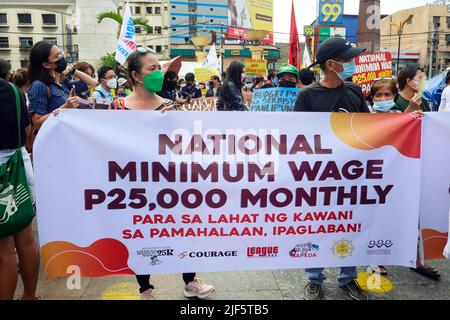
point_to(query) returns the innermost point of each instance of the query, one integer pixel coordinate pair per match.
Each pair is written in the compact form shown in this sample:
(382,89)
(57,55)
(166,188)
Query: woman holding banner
(147,78)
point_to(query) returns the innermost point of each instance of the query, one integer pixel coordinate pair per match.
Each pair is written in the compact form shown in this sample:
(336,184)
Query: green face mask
(154,81)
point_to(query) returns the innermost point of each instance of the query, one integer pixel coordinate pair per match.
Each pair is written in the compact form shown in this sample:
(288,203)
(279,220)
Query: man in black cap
(333,94)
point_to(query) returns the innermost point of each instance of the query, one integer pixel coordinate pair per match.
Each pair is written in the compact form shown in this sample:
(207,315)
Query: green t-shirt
(401,104)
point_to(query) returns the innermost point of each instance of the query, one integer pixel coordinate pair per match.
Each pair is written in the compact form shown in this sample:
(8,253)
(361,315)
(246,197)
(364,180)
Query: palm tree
(116,16)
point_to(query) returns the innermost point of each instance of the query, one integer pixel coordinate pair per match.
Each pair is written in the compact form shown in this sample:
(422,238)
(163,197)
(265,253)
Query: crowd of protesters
(50,84)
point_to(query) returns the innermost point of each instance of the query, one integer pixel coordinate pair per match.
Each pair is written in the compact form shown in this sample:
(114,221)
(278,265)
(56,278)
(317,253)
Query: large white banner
(435,195)
(147,193)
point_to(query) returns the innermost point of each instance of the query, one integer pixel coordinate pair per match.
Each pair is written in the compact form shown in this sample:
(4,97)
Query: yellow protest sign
(204,74)
(255,68)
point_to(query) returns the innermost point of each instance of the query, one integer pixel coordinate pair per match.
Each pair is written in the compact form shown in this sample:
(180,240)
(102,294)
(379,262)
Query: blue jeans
(347,275)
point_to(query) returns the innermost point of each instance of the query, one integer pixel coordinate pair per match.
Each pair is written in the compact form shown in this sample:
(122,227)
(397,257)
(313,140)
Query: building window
(212,20)
(4,42)
(174,30)
(137,10)
(24,18)
(448,22)
(149,10)
(53,40)
(24,63)
(447,39)
(211,9)
(26,43)
(174,18)
(150,29)
(157,10)
(437,21)
(158,30)
(3,18)
(49,19)
(173,7)
(138,29)
(158,49)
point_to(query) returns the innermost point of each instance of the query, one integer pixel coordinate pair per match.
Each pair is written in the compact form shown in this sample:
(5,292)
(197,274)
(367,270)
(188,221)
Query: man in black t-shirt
(8,118)
(332,94)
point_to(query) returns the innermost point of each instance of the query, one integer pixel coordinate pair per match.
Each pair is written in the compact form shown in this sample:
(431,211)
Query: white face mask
(249,85)
(112,83)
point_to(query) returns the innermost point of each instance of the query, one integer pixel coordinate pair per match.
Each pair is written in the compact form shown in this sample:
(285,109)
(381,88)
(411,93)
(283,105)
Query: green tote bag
(16,203)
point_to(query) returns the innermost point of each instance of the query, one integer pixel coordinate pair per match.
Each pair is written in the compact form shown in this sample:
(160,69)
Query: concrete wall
(95,39)
(418,34)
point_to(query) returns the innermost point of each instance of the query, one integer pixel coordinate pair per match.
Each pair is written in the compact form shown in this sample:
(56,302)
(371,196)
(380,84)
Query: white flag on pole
(127,39)
(306,58)
(211,60)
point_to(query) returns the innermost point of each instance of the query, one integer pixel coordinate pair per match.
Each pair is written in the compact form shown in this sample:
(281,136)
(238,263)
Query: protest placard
(204,74)
(193,191)
(256,68)
(372,66)
(274,99)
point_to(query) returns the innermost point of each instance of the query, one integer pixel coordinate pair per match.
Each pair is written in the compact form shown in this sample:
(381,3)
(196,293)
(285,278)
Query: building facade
(21,28)
(209,18)
(157,35)
(77,31)
(428,32)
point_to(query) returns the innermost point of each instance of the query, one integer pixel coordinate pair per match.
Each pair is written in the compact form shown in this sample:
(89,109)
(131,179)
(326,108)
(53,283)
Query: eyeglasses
(145,50)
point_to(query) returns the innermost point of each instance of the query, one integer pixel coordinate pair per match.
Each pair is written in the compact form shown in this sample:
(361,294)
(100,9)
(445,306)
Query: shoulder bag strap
(16,93)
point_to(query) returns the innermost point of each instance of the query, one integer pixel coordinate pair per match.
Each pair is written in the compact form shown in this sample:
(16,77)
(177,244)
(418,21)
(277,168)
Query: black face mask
(287,84)
(61,65)
(171,85)
(211,83)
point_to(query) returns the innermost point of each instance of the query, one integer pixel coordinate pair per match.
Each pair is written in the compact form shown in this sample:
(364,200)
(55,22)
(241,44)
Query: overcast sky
(306,12)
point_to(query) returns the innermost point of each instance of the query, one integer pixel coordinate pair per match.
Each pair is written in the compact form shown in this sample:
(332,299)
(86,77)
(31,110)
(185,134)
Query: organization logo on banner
(207,254)
(304,250)
(343,248)
(262,252)
(379,248)
(155,253)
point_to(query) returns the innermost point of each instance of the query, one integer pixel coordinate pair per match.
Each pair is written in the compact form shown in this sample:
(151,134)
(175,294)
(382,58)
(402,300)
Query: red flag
(294,42)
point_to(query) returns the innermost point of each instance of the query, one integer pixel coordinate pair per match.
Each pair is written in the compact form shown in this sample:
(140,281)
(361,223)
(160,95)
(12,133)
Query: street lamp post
(398,50)
(400,26)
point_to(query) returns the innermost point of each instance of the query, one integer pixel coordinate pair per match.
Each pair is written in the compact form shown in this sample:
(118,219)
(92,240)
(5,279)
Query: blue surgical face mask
(384,106)
(275,82)
(349,70)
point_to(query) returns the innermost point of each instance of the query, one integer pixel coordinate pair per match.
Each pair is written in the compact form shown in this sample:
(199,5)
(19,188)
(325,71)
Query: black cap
(336,48)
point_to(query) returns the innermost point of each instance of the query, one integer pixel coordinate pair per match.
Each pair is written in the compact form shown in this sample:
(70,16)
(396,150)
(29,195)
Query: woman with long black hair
(50,88)
(232,98)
